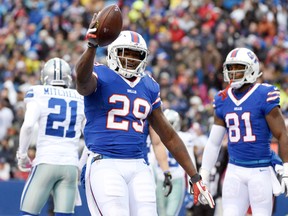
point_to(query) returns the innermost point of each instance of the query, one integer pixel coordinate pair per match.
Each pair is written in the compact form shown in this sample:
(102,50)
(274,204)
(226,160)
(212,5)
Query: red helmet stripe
(234,53)
(134,37)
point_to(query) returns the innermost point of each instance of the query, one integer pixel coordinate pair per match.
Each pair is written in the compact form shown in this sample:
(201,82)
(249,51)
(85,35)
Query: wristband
(195,178)
(91,45)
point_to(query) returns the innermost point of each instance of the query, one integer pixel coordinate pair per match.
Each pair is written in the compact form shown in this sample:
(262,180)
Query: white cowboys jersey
(60,123)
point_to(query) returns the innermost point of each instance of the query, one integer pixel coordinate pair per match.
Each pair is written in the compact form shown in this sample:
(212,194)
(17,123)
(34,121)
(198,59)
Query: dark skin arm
(171,140)
(277,126)
(218,121)
(86,82)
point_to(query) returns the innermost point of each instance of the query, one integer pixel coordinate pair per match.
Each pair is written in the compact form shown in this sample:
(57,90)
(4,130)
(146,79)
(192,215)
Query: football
(109,24)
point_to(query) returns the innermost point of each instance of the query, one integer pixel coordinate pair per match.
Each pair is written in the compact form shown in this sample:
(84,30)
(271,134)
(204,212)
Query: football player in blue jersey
(59,113)
(250,114)
(118,99)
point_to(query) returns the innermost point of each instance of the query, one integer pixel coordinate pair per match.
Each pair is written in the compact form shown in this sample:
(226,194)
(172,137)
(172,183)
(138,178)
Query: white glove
(200,191)
(284,180)
(24,162)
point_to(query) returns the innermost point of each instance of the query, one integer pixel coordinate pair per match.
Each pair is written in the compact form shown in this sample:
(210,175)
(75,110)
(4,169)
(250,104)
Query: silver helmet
(56,72)
(174,118)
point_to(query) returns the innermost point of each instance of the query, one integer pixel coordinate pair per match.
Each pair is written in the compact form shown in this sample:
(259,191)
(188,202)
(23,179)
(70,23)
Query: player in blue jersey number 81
(118,100)
(250,114)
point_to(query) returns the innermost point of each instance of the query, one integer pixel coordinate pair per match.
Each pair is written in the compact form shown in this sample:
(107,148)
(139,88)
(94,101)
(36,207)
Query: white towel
(276,186)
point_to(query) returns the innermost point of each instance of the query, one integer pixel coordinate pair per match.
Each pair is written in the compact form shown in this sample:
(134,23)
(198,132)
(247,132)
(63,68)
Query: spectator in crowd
(6,117)
(10,88)
(4,169)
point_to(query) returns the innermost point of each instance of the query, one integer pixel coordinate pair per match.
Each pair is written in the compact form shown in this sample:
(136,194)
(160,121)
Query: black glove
(167,184)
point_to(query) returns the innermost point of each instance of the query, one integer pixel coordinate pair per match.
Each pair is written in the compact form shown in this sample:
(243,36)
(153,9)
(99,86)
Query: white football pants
(247,186)
(120,187)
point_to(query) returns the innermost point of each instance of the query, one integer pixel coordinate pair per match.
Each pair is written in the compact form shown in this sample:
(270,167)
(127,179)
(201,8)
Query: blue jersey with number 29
(116,113)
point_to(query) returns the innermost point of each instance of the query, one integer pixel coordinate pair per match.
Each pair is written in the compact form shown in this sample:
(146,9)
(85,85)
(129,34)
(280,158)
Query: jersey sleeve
(155,92)
(31,94)
(217,105)
(271,98)
(157,102)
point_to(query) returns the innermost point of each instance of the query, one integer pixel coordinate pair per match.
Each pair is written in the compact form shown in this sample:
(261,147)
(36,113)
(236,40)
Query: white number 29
(140,110)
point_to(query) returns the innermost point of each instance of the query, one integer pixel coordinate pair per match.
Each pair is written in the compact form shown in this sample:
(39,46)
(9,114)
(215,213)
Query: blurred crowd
(188,42)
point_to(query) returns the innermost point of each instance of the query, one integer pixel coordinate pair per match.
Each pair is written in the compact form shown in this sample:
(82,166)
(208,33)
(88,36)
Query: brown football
(109,24)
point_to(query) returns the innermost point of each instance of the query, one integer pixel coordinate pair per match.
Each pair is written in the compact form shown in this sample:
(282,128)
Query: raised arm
(86,82)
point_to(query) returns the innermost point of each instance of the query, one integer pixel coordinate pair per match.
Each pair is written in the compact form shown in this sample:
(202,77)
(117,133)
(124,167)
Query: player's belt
(264,162)
(99,157)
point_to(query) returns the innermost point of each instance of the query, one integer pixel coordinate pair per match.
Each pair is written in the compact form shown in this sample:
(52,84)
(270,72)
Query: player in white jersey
(118,99)
(155,152)
(172,205)
(59,112)
(250,114)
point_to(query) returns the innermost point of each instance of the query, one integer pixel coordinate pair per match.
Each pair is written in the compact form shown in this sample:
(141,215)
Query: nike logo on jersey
(262,170)
(131,91)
